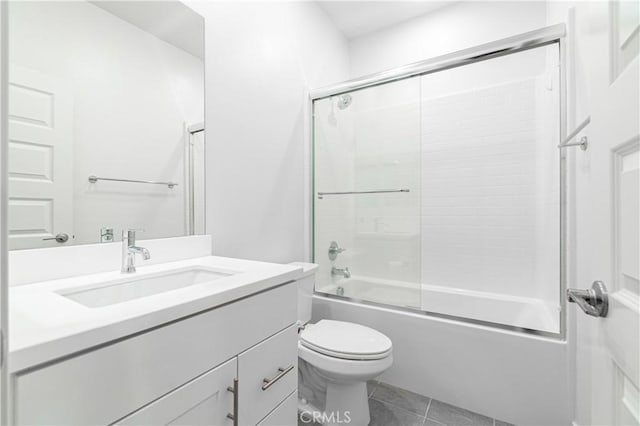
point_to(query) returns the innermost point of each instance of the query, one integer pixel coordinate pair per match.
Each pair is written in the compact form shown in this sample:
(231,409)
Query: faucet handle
(130,233)
(334,250)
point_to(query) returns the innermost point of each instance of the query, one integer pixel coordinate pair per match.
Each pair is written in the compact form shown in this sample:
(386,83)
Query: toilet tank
(305,290)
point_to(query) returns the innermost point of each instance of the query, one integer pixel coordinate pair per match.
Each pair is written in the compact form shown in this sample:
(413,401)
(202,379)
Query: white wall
(261,60)
(132,93)
(454,27)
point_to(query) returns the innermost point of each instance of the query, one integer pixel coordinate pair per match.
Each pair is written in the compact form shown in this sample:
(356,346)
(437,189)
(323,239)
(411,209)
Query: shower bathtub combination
(438,218)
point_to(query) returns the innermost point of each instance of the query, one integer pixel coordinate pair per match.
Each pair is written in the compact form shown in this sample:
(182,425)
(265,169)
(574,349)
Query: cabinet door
(203,401)
(284,414)
(268,374)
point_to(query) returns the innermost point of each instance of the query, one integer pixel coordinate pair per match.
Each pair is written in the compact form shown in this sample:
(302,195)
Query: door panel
(274,360)
(40,150)
(4,281)
(203,401)
(608,186)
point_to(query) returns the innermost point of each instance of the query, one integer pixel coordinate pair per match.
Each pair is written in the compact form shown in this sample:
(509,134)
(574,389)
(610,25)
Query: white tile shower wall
(387,138)
(261,60)
(132,92)
(421,38)
(335,151)
(481,196)
(373,144)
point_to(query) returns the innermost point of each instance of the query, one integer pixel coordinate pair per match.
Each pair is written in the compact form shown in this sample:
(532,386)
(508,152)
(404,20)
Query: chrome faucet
(338,271)
(129,250)
(334,250)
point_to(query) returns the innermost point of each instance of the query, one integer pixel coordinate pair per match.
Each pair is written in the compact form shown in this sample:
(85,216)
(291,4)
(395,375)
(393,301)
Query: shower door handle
(593,301)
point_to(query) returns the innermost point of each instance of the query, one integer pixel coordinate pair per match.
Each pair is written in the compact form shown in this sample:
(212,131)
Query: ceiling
(170,21)
(357,18)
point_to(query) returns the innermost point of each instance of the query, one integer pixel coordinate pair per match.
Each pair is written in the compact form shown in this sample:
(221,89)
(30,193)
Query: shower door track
(518,43)
(448,317)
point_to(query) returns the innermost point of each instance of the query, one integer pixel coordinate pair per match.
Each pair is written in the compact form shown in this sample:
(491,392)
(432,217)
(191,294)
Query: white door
(40,160)
(607,178)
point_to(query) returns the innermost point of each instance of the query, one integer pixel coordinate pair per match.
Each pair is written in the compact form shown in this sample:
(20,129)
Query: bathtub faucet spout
(338,271)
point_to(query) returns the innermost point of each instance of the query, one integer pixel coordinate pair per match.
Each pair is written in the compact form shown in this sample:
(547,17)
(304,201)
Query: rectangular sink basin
(126,289)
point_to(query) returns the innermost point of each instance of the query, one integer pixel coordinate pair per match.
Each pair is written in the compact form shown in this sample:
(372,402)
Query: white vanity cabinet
(206,400)
(179,373)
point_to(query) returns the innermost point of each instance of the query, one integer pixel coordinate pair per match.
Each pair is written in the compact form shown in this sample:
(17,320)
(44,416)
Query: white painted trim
(186,141)
(5,391)
(197,127)
(308,176)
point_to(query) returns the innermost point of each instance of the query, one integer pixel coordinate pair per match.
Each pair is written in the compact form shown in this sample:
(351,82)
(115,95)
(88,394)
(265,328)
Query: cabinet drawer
(285,414)
(203,401)
(268,373)
(107,384)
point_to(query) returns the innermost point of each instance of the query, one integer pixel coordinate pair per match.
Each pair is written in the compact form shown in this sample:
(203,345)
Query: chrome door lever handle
(593,301)
(60,238)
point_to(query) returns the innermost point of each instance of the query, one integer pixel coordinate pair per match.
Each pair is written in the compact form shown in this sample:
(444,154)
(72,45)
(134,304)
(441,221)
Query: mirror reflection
(106,116)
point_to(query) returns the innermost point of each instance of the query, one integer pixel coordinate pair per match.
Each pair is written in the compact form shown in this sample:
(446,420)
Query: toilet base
(347,403)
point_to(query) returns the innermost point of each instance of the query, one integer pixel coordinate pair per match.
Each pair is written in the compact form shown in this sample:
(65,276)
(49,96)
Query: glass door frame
(518,43)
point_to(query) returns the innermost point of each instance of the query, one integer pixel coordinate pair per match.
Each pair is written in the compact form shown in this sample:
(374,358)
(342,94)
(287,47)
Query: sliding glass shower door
(442,193)
(491,190)
(367,194)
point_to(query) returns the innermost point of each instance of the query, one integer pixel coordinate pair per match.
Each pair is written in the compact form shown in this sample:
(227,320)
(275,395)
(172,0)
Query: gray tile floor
(392,406)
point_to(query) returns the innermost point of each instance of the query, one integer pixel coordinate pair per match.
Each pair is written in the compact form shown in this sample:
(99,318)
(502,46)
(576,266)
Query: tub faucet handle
(334,250)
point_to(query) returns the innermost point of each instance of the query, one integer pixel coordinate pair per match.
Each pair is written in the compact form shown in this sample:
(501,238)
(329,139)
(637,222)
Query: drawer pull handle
(268,382)
(234,391)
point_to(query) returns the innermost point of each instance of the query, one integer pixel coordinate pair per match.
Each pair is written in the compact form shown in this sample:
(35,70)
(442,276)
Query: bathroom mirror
(106,112)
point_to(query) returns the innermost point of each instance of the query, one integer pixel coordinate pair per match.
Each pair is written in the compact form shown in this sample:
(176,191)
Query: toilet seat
(345,340)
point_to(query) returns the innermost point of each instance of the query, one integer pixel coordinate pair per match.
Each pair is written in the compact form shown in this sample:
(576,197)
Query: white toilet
(336,359)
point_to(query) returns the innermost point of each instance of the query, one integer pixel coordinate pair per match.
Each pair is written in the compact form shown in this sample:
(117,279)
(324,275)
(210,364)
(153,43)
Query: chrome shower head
(344,101)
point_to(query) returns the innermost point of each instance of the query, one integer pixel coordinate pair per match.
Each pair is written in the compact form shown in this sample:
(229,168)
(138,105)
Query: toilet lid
(345,340)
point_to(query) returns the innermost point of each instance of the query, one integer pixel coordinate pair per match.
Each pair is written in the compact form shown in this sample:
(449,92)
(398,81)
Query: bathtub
(523,313)
(517,377)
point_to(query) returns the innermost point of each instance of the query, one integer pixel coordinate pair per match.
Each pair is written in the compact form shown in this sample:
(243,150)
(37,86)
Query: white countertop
(45,325)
